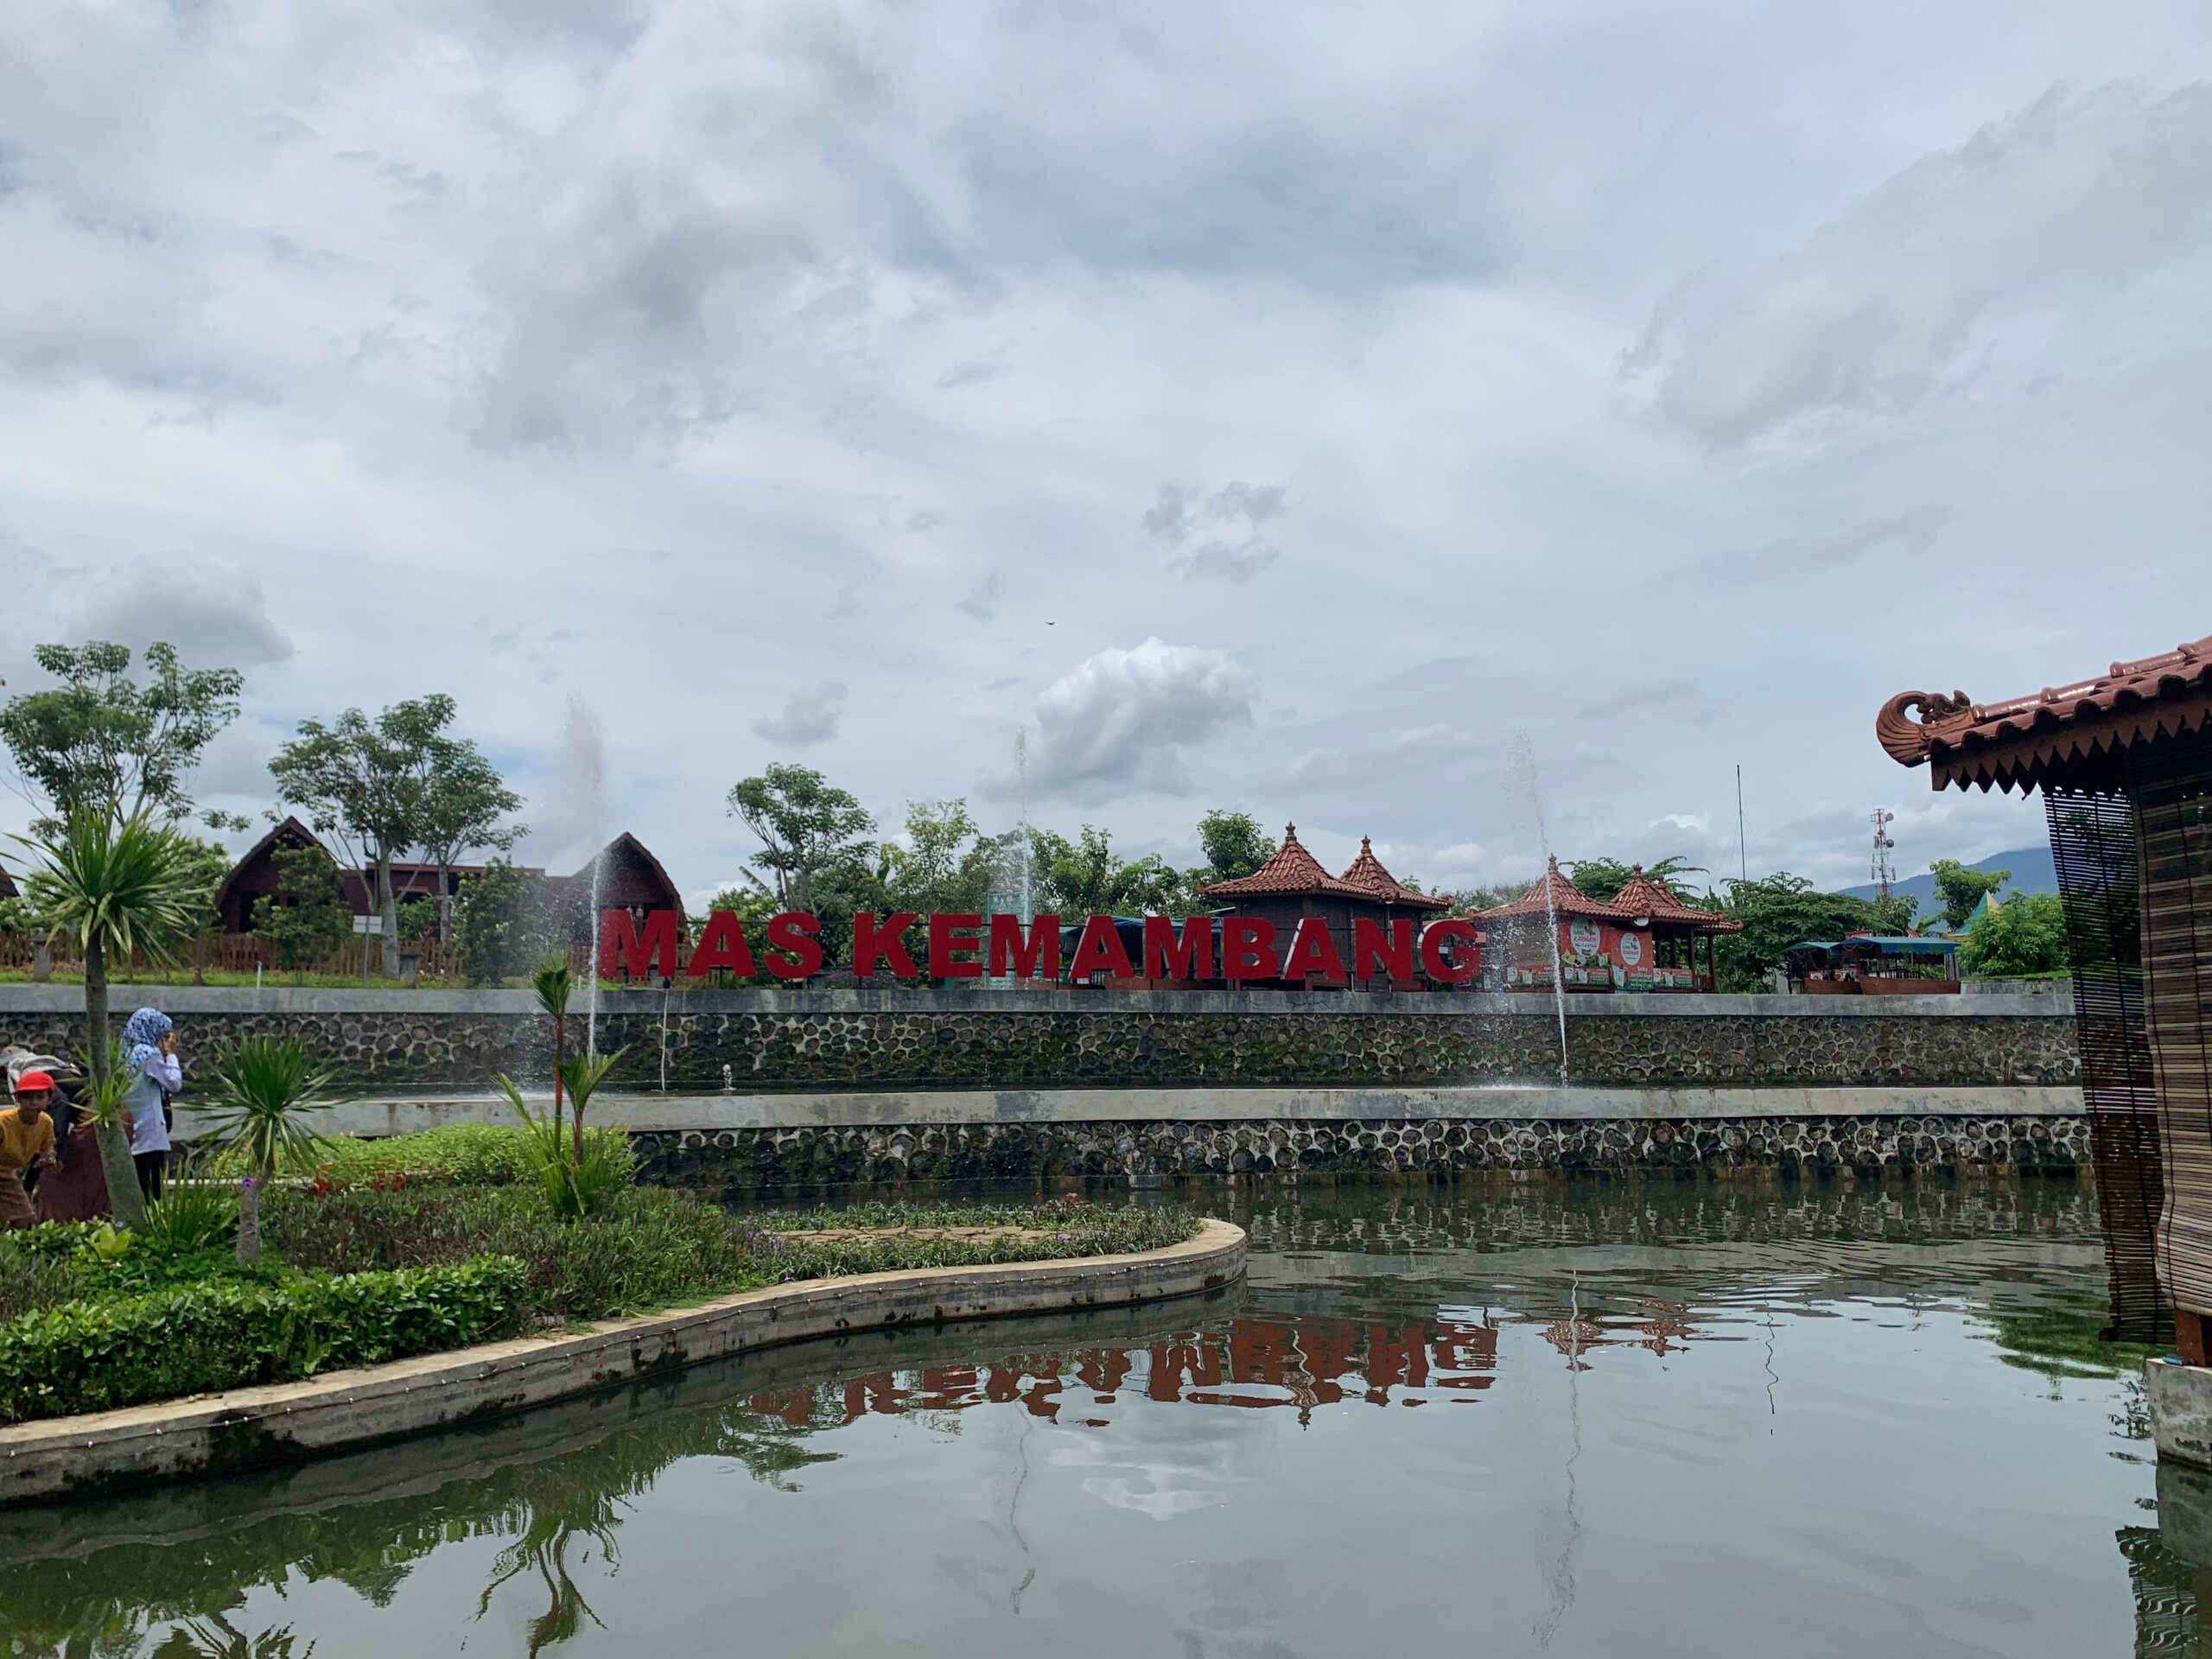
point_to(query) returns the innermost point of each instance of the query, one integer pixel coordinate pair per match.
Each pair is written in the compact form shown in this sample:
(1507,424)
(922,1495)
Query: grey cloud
(971,371)
(1215,536)
(214,615)
(1117,722)
(1238,564)
(982,599)
(2065,205)
(810,717)
(923,521)
(1680,702)
(1408,754)
(1905,534)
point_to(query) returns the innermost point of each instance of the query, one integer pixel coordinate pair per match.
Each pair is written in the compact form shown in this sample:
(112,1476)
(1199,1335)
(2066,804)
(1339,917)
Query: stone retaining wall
(766,1041)
(768,1161)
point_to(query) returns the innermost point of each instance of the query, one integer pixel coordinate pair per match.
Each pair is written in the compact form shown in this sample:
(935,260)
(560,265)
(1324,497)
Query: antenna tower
(1883,870)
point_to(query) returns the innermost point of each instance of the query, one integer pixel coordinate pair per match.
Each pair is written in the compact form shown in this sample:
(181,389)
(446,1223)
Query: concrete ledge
(2181,1409)
(286,1422)
(712,1113)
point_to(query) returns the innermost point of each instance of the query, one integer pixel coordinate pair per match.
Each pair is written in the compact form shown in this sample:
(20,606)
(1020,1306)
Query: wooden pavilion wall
(2171,783)
(2092,844)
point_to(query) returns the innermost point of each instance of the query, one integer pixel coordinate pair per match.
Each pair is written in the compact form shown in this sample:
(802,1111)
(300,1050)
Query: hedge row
(106,1353)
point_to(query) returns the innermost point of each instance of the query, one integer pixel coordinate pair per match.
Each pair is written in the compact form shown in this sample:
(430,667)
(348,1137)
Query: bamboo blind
(2172,786)
(2092,844)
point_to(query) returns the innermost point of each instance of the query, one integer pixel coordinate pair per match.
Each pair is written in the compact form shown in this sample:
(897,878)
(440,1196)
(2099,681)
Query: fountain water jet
(1524,773)
(583,795)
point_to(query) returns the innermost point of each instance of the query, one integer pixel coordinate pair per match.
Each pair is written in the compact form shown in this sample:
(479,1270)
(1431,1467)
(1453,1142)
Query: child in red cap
(26,1140)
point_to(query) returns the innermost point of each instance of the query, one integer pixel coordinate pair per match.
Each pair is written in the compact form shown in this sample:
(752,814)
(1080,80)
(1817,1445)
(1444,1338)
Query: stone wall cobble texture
(769,1161)
(956,1045)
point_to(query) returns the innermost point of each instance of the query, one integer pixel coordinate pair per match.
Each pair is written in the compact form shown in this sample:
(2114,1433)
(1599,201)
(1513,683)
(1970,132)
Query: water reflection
(1706,1414)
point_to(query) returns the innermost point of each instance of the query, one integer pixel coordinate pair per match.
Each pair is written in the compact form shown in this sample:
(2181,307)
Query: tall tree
(1959,889)
(2025,935)
(369,784)
(1777,911)
(307,919)
(806,825)
(1087,877)
(116,889)
(944,865)
(102,743)
(464,801)
(1234,844)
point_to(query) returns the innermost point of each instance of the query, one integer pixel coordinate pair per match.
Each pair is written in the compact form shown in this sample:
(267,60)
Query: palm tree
(554,981)
(583,1075)
(118,889)
(263,1086)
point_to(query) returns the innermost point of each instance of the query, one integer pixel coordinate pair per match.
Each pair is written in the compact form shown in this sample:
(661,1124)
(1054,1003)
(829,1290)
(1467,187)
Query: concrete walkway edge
(246,1428)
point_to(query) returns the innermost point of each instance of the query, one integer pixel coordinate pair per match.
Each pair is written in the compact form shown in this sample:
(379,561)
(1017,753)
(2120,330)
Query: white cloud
(2067,203)
(810,717)
(213,613)
(1117,723)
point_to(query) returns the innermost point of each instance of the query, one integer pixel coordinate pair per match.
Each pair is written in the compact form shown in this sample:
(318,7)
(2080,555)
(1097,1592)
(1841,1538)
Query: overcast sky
(1292,408)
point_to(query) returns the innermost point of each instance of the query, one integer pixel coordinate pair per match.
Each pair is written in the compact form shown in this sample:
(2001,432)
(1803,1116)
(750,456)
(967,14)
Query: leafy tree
(464,801)
(373,784)
(1959,889)
(264,1089)
(1602,878)
(307,919)
(1777,911)
(2024,935)
(116,889)
(945,864)
(1893,915)
(500,923)
(1234,844)
(101,743)
(1469,900)
(1086,877)
(806,825)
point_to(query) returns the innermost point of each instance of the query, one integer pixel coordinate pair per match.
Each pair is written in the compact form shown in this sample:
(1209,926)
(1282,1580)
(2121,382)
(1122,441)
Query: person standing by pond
(150,1055)
(26,1141)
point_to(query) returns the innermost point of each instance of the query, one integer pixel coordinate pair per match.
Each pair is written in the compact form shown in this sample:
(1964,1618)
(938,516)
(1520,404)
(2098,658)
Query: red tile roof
(1641,895)
(1556,895)
(1366,872)
(1291,872)
(2076,728)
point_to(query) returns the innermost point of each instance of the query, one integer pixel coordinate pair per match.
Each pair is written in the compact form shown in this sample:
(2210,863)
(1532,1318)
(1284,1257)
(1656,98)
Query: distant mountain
(2030,867)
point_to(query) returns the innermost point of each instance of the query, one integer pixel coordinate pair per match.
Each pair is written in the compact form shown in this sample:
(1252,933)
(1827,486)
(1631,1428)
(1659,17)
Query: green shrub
(651,1248)
(28,1282)
(461,1155)
(50,1241)
(192,1214)
(106,1353)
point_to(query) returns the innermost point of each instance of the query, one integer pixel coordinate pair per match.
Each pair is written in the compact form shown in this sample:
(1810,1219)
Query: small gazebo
(1293,886)
(1398,901)
(1644,938)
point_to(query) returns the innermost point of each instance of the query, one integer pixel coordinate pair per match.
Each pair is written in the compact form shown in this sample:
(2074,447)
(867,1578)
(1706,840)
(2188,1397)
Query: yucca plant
(554,981)
(578,1173)
(117,889)
(264,1089)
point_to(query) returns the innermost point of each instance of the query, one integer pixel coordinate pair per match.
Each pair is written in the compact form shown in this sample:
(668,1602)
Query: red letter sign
(1036,956)
(1469,961)
(1248,948)
(1376,957)
(1313,954)
(1167,957)
(872,943)
(622,952)
(1099,951)
(720,945)
(795,951)
(951,931)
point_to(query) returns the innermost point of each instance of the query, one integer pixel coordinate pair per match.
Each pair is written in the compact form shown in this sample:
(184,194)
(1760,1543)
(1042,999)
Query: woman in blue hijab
(149,1057)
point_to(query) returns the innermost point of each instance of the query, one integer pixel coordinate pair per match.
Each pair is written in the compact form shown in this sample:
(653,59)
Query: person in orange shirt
(26,1140)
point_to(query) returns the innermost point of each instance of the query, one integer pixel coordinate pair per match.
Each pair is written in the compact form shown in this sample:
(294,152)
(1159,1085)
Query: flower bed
(92,1318)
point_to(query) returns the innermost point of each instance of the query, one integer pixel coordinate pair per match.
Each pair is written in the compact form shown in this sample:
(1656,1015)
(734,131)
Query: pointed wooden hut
(1293,886)
(1660,952)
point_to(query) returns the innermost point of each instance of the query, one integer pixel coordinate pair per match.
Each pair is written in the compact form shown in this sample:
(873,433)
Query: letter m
(623,952)
(1035,955)
(1165,956)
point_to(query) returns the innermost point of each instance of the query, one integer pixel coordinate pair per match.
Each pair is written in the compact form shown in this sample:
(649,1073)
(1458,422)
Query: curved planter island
(245,1428)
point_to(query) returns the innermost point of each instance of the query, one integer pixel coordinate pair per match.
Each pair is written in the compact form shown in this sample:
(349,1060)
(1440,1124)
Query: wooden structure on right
(2124,761)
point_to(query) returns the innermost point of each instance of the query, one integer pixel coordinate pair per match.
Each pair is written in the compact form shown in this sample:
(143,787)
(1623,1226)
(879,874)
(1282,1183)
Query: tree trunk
(445,904)
(249,1250)
(113,1139)
(388,911)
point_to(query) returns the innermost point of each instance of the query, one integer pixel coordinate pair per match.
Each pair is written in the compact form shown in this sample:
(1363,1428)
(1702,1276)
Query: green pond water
(1611,1419)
